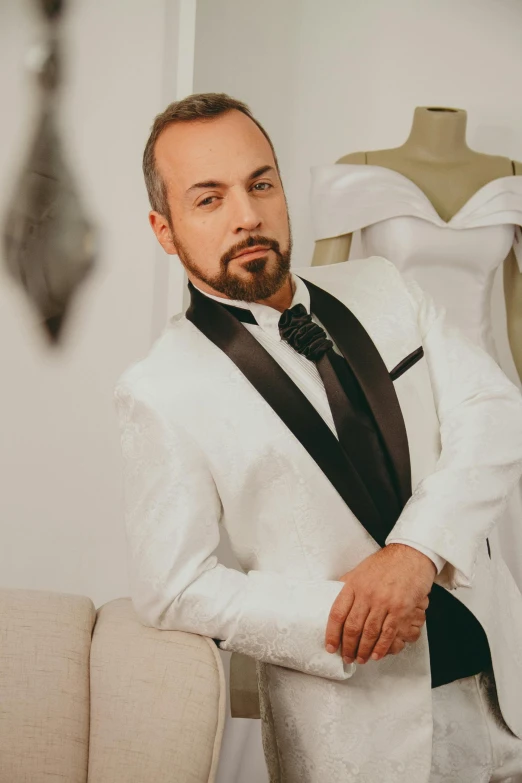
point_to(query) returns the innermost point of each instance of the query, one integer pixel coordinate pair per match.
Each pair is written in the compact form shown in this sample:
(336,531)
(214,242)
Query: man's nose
(245,214)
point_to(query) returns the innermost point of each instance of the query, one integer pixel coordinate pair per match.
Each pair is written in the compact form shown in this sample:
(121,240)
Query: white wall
(61,523)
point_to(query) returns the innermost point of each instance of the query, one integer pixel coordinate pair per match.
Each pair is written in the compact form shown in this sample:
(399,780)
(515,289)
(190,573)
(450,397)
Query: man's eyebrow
(212,183)
(259,172)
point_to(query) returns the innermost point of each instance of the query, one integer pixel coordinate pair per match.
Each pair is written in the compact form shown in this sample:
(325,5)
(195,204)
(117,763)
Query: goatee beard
(262,284)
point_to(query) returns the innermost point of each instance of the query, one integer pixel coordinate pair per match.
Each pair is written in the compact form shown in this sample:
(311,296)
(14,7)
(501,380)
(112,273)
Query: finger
(386,638)
(370,634)
(415,617)
(413,634)
(353,628)
(414,621)
(397,646)
(418,618)
(340,608)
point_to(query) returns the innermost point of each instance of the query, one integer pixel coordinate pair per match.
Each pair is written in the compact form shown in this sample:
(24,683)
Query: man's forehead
(216,149)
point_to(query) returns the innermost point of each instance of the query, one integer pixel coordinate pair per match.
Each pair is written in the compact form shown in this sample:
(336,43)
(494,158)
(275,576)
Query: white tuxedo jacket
(203,448)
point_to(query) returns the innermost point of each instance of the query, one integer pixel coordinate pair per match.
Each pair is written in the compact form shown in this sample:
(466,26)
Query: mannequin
(438,160)
(447,217)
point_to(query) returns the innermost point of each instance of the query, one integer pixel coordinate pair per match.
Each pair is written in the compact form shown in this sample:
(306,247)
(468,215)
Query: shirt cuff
(437,560)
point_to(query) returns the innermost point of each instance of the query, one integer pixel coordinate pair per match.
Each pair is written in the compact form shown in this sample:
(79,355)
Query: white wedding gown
(454,261)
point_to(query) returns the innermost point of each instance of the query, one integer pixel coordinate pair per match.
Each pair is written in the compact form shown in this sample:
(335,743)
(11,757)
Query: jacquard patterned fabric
(471,742)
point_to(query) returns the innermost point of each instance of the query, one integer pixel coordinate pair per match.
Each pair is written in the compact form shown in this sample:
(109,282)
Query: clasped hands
(382,605)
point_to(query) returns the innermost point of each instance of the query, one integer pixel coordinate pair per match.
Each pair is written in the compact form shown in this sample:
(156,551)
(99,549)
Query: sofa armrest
(158,702)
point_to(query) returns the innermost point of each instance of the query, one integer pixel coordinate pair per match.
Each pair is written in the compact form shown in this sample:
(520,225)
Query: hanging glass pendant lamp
(49,244)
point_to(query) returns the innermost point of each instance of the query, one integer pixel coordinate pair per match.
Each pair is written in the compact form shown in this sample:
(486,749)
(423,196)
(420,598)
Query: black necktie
(353,419)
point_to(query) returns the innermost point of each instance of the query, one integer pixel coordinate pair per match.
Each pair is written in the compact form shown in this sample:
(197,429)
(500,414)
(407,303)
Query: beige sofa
(96,697)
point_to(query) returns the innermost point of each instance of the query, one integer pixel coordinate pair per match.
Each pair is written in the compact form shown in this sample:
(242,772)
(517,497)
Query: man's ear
(161,228)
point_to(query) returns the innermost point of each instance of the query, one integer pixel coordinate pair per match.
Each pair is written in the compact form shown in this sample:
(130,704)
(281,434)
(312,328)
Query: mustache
(270,244)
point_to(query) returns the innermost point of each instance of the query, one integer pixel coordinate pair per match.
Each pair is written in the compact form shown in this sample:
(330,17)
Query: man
(300,411)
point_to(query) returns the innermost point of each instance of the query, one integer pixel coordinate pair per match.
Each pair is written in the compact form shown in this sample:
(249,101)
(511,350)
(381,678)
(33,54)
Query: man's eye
(206,201)
(262,186)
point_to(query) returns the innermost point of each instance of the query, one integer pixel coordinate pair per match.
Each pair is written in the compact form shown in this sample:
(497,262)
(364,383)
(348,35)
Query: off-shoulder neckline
(368,167)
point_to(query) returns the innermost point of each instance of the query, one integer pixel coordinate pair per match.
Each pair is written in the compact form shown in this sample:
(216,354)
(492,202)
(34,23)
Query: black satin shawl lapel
(290,404)
(360,352)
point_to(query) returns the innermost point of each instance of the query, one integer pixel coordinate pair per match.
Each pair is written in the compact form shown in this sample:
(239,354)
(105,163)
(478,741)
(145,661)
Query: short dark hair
(200,106)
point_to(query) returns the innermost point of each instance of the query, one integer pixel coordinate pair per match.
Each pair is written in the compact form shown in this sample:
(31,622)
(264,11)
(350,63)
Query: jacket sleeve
(454,508)
(173,511)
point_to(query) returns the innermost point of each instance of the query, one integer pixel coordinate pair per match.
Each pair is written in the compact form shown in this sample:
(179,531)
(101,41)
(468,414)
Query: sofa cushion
(44,686)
